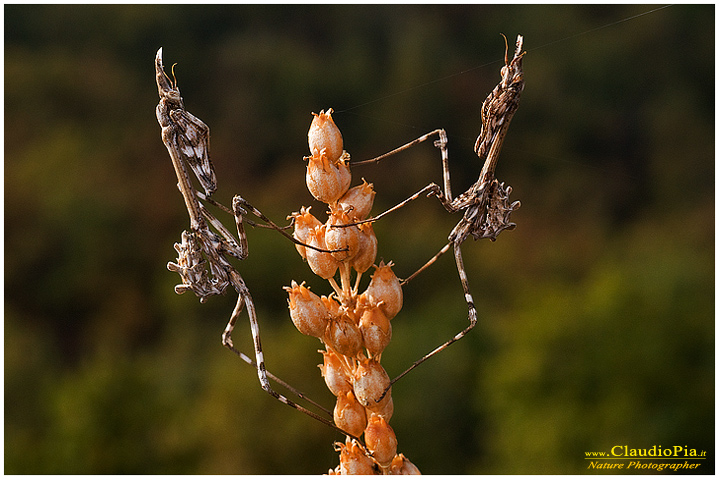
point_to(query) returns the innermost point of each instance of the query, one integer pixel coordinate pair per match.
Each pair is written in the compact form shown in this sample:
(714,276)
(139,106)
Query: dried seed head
(370,383)
(343,336)
(402,466)
(304,221)
(324,134)
(385,290)
(349,414)
(326,181)
(334,374)
(344,238)
(353,460)
(321,263)
(360,198)
(376,330)
(367,248)
(381,441)
(307,311)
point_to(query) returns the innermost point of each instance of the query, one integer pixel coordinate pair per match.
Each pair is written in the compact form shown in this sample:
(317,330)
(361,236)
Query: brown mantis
(203,263)
(485,205)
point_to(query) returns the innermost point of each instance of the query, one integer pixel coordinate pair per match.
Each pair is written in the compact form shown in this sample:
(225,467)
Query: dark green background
(596,313)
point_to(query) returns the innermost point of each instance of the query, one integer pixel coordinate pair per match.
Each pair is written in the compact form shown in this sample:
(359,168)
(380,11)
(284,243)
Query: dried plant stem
(355,328)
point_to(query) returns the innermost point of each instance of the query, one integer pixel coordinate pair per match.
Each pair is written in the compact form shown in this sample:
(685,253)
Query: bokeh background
(596,313)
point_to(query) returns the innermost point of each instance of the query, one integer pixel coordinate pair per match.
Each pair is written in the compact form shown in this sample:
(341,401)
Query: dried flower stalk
(354,327)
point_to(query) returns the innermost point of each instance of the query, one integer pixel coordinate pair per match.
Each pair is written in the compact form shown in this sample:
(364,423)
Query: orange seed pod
(334,374)
(321,263)
(332,305)
(304,221)
(349,414)
(324,134)
(343,336)
(341,238)
(307,311)
(384,409)
(402,466)
(385,290)
(370,383)
(381,441)
(344,174)
(353,460)
(360,198)
(324,179)
(367,248)
(376,330)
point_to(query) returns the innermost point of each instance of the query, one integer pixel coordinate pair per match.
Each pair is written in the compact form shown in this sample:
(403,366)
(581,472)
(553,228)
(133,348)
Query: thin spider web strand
(484,65)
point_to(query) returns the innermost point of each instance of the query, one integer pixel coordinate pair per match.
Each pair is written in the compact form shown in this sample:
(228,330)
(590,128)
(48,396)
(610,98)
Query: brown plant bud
(323,264)
(370,382)
(402,466)
(349,414)
(324,179)
(334,374)
(358,201)
(304,221)
(376,330)
(381,441)
(324,134)
(341,238)
(353,460)
(307,311)
(343,336)
(367,248)
(385,290)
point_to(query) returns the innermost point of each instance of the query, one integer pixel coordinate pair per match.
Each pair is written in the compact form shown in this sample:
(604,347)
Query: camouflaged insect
(182,131)
(486,204)
(203,263)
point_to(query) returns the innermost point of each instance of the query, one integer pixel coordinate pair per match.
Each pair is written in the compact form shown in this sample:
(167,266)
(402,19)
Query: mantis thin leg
(485,205)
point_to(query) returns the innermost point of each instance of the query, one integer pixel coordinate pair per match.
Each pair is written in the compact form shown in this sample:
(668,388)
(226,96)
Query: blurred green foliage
(597,312)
